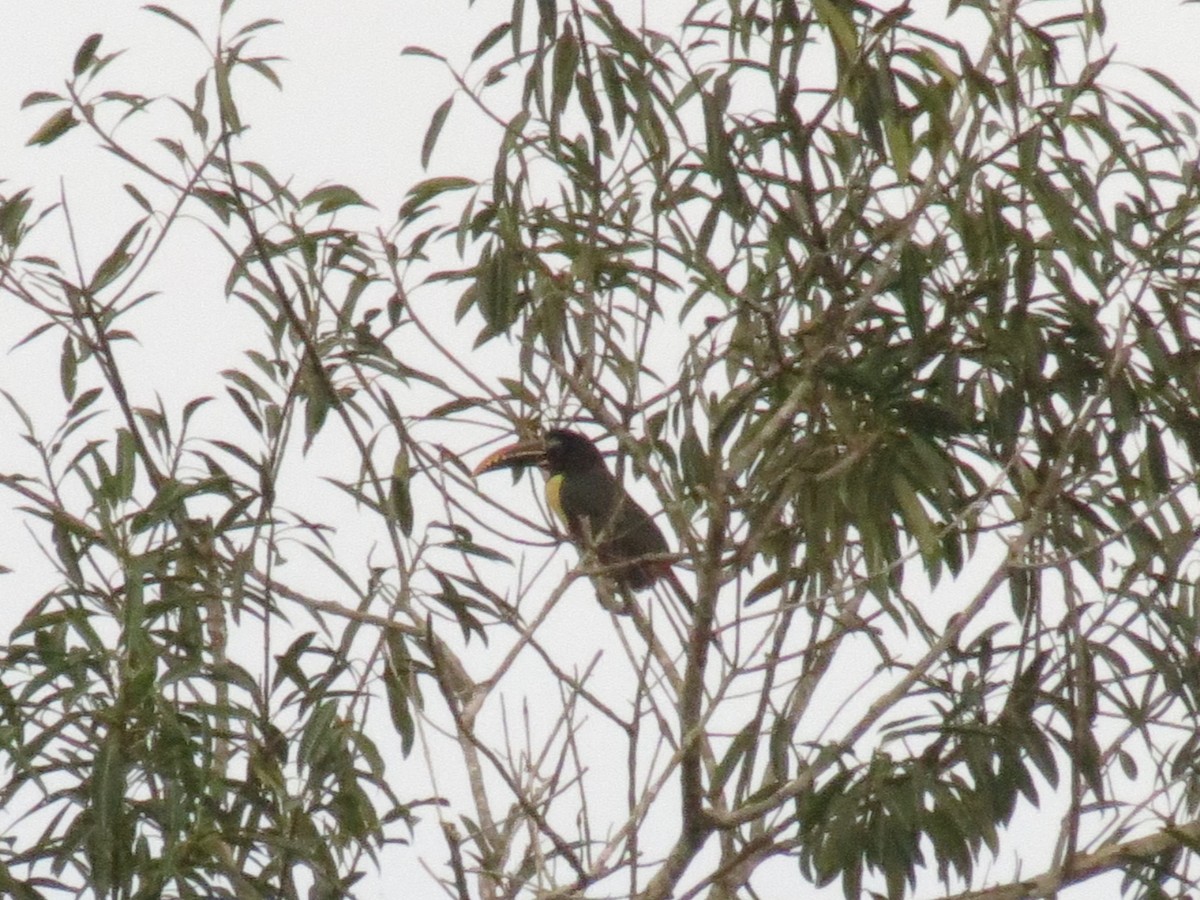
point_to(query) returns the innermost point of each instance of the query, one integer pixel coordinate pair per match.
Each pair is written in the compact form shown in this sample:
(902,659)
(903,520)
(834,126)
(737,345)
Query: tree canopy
(885,312)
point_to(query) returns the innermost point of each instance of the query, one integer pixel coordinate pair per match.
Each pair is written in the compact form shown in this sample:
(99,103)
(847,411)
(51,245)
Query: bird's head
(560,450)
(570,451)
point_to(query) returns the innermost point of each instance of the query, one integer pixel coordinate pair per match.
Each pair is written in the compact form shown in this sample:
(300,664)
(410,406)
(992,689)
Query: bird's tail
(668,575)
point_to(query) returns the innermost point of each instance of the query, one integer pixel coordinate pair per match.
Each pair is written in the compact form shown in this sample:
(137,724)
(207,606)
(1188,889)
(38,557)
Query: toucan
(597,511)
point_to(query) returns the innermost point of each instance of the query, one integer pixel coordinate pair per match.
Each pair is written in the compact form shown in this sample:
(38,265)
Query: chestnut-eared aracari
(597,511)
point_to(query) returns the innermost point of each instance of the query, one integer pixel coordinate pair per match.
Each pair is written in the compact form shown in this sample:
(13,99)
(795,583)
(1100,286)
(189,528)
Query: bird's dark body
(599,513)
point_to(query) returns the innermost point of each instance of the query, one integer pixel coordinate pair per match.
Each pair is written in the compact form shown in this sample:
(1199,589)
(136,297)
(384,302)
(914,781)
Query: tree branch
(1083,866)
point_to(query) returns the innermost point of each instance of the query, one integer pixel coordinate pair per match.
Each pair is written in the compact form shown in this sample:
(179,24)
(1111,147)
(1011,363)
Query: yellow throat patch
(554,496)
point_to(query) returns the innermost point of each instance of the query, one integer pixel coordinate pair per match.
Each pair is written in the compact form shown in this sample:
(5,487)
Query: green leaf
(455,406)
(173,147)
(548,18)
(566,57)
(840,25)
(316,410)
(106,804)
(228,109)
(461,606)
(116,261)
(262,65)
(174,17)
(40,97)
(743,743)
(899,141)
(414,50)
(12,217)
(424,191)
(126,473)
(86,54)
(397,684)
(333,197)
(139,198)
(491,39)
(258,25)
(167,502)
(434,129)
(697,468)
(400,499)
(614,89)
(53,128)
(916,520)
(68,367)
(470,548)
(1169,84)
(86,399)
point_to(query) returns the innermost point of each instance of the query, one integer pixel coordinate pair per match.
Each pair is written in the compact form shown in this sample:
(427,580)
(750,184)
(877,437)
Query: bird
(595,508)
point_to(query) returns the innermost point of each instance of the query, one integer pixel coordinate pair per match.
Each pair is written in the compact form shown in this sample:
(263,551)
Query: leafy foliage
(895,326)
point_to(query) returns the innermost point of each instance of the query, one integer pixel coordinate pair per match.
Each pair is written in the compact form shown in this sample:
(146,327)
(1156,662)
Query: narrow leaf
(53,128)
(86,54)
(333,197)
(566,56)
(40,97)
(400,498)
(68,365)
(435,129)
(174,17)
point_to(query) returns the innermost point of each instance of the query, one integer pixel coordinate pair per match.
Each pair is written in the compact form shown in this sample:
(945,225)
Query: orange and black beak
(514,456)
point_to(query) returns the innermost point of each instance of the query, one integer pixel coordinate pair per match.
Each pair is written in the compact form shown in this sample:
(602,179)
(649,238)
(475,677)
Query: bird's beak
(526,453)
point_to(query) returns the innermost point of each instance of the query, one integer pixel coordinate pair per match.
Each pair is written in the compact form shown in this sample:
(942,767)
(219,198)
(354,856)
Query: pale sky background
(353,110)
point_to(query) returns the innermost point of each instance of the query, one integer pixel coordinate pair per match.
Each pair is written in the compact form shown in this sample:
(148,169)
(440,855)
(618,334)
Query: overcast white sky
(352,110)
